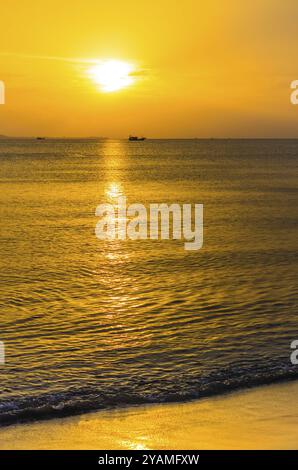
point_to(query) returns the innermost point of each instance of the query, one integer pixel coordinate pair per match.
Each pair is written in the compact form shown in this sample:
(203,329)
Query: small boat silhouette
(135,138)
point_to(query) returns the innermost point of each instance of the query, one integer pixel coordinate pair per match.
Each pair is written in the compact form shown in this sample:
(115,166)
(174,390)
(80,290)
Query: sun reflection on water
(114,191)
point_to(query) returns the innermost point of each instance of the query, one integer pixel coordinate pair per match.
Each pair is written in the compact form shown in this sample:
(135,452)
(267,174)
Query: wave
(75,402)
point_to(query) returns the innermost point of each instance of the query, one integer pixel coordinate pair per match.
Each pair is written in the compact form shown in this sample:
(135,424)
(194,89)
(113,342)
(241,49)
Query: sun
(112,75)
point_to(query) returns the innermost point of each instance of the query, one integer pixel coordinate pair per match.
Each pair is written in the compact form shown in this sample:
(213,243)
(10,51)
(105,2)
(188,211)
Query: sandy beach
(260,418)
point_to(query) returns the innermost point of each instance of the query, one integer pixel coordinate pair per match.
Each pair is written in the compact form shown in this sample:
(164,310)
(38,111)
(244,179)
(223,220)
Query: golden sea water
(90,324)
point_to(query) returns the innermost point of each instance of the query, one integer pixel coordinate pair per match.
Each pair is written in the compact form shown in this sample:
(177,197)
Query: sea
(91,324)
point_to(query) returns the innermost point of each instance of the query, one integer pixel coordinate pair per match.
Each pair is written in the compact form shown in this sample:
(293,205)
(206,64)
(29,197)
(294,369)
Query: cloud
(55,58)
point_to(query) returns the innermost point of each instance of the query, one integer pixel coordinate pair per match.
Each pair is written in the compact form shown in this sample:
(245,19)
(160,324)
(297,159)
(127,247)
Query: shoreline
(265,417)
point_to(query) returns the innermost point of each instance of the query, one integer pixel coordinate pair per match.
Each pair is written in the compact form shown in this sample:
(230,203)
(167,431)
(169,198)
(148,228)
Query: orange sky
(220,68)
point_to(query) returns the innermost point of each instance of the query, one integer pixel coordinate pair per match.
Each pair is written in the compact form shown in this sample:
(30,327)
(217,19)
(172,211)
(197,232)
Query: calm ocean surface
(90,324)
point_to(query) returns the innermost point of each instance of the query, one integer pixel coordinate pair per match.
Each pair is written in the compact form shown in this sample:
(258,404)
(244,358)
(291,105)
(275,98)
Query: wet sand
(260,418)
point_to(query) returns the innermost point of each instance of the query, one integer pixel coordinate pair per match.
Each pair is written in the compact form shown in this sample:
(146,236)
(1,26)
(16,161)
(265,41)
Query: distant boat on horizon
(135,138)
(40,138)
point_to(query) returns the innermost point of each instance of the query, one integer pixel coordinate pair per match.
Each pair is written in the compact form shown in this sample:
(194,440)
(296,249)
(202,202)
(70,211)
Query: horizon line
(4,137)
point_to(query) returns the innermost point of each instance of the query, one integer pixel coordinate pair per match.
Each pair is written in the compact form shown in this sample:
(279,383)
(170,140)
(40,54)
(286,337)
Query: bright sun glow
(112,75)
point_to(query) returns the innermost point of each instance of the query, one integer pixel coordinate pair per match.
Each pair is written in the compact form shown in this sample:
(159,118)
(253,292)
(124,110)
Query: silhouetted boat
(40,138)
(135,138)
